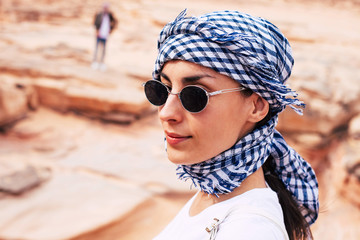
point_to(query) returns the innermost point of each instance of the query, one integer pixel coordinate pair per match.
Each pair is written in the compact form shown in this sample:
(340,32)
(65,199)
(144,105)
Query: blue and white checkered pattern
(255,53)
(224,172)
(248,49)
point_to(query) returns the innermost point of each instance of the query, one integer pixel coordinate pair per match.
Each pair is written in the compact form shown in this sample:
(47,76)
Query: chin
(177,160)
(181,158)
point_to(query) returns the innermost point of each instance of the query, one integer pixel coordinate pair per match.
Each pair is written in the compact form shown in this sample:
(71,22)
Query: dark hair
(295,223)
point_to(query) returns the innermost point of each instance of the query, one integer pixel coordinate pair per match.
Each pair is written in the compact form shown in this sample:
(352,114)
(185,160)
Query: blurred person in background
(104,23)
(219,84)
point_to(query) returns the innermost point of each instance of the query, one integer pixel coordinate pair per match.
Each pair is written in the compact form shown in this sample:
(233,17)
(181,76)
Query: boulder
(13,102)
(17,177)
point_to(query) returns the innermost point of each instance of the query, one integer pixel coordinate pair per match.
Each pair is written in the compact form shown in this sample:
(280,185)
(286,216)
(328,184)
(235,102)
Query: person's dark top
(99,17)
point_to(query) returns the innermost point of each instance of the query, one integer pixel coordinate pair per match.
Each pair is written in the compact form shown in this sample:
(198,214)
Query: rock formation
(81,151)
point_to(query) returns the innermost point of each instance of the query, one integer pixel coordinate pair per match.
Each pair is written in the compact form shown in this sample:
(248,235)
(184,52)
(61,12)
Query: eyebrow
(189,79)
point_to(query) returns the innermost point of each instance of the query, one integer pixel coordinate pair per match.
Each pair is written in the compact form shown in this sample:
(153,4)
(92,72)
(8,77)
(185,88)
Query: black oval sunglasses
(193,98)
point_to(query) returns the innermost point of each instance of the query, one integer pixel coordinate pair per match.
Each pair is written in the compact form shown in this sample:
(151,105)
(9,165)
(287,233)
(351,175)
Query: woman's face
(196,137)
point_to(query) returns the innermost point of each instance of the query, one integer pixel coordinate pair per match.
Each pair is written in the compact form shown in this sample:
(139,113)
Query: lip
(174,138)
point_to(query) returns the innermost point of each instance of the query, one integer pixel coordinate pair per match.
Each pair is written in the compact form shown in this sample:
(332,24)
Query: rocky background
(81,151)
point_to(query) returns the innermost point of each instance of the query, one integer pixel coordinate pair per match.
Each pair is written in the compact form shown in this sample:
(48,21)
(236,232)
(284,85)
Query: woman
(219,84)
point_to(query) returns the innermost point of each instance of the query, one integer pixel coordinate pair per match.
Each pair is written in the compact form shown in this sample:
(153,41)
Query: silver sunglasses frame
(208,94)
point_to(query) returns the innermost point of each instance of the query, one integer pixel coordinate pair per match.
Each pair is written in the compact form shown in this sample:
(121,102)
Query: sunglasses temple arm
(227,91)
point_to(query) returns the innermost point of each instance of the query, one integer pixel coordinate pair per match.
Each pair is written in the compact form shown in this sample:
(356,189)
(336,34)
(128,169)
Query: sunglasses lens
(156,92)
(194,99)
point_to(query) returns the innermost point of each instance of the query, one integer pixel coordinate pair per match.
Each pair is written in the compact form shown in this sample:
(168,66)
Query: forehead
(189,73)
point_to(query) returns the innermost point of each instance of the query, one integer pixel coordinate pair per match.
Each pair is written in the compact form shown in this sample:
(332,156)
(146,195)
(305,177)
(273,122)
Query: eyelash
(167,85)
(199,85)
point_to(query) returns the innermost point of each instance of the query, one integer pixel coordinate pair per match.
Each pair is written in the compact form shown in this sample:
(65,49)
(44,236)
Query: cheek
(220,130)
(208,130)
(233,117)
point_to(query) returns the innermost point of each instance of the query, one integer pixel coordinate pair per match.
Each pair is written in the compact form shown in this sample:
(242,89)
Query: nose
(172,110)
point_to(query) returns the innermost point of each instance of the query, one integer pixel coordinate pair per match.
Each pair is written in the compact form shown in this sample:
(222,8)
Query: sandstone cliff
(81,151)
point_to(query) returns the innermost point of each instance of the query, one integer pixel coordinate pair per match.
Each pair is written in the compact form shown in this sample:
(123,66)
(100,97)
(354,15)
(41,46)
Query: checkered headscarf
(255,53)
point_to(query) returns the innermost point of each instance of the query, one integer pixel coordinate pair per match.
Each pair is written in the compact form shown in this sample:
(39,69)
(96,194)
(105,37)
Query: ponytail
(295,223)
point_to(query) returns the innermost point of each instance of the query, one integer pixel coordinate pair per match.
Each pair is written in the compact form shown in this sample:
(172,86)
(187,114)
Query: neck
(204,200)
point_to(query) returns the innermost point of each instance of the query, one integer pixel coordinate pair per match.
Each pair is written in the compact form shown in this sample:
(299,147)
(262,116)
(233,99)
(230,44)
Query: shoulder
(260,199)
(250,227)
(256,214)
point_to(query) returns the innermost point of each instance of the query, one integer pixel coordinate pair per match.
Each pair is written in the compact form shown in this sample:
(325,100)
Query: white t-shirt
(253,215)
(104,30)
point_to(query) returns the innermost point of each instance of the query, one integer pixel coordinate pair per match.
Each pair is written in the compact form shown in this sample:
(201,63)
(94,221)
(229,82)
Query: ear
(260,108)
